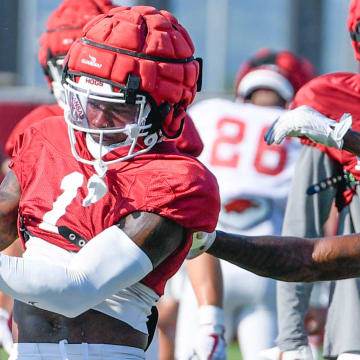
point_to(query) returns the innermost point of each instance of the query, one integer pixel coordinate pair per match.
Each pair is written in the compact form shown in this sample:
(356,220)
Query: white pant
(64,351)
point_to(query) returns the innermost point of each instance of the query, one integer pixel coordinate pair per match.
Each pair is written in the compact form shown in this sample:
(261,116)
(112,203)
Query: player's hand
(315,320)
(210,343)
(6,339)
(201,242)
(305,121)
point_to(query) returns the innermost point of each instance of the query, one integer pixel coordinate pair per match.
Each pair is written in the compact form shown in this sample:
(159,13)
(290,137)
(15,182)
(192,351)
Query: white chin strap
(97,188)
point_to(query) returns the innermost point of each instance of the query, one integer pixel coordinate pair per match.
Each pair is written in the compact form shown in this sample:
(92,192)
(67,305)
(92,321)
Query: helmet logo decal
(78,108)
(94,82)
(91,62)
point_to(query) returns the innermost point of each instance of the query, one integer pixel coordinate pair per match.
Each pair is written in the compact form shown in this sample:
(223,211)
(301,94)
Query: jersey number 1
(70,185)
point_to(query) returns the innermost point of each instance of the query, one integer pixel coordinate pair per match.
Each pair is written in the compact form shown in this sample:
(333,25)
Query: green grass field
(233,352)
(3,355)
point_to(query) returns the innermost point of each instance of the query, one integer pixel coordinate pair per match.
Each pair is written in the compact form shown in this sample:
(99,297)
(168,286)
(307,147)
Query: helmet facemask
(54,71)
(110,118)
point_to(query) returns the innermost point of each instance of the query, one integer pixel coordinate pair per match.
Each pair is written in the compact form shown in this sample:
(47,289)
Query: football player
(254,181)
(64,26)
(106,178)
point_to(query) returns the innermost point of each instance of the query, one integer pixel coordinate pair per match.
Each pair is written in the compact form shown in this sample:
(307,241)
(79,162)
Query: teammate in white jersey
(254,181)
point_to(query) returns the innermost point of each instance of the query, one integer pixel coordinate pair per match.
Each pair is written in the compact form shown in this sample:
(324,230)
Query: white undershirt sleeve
(111,261)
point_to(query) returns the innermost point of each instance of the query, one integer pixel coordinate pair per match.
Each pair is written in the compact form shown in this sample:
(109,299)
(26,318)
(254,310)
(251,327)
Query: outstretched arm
(291,258)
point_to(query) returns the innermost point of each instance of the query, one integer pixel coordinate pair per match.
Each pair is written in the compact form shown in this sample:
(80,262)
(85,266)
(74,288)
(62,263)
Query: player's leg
(257,325)
(7,303)
(168,314)
(187,323)
(342,325)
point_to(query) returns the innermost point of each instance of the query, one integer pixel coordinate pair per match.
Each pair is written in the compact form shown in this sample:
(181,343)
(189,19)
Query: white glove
(305,121)
(6,339)
(210,343)
(201,242)
(302,353)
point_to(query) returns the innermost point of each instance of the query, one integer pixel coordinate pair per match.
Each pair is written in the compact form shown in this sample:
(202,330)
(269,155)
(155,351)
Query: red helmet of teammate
(135,63)
(354,26)
(280,71)
(63,27)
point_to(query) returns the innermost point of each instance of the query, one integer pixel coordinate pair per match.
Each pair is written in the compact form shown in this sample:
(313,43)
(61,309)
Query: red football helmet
(63,27)
(281,71)
(354,26)
(135,68)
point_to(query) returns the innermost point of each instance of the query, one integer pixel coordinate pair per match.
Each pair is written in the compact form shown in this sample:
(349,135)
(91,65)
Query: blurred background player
(254,180)
(320,180)
(63,27)
(205,277)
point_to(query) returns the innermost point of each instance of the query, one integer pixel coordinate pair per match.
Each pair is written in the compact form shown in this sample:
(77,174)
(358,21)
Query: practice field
(233,352)
(3,355)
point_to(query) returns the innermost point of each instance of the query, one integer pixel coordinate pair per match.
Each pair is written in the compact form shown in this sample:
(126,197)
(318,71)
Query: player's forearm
(9,202)
(337,257)
(291,258)
(282,258)
(15,249)
(206,279)
(352,142)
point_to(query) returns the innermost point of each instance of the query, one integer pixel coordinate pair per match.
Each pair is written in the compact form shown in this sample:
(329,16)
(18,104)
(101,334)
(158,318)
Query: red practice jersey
(163,181)
(333,95)
(189,141)
(39,113)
